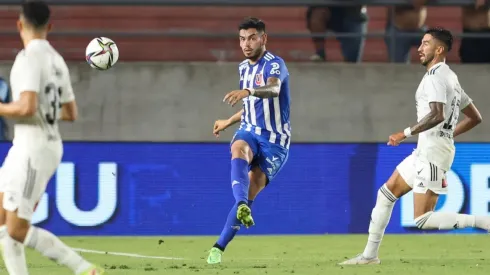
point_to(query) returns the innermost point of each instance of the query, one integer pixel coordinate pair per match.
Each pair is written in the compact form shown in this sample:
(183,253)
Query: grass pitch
(274,255)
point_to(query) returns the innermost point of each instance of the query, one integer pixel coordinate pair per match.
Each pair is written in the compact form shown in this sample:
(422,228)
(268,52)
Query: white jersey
(439,84)
(40,68)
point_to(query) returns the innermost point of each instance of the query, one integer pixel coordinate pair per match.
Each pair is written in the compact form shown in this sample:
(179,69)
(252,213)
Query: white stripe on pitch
(125,254)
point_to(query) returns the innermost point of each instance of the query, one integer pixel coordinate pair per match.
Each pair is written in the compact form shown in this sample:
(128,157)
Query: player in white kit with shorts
(42,94)
(439,100)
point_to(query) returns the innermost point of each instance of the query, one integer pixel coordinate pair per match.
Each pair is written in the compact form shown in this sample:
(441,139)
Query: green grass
(273,255)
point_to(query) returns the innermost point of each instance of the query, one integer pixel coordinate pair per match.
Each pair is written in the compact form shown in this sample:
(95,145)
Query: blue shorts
(269,157)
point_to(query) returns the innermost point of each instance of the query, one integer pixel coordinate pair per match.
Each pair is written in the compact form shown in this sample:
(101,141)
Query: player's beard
(256,54)
(428,60)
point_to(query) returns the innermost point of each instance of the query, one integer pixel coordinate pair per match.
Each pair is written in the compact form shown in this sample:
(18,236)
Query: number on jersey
(275,69)
(53,95)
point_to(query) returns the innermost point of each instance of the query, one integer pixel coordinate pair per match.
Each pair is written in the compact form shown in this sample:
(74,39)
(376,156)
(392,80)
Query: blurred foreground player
(439,99)
(260,146)
(42,94)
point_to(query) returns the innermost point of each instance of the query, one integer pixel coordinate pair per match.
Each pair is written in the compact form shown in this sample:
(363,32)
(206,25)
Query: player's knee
(17,229)
(385,196)
(240,149)
(422,219)
(17,232)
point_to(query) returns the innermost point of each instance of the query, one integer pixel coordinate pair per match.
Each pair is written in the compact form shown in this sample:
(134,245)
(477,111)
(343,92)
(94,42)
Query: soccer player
(439,99)
(260,146)
(42,94)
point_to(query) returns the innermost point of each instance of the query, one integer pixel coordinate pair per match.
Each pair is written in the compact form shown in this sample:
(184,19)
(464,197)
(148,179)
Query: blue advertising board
(185,189)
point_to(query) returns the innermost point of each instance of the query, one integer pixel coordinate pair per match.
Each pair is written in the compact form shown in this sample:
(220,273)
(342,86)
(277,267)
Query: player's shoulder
(243,64)
(441,71)
(270,57)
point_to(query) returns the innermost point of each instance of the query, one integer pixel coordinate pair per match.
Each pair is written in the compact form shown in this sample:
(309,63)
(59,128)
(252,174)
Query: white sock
(380,217)
(50,246)
(13,254)
(447,221)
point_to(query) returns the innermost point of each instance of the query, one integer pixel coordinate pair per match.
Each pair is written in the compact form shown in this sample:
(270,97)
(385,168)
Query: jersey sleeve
(276,68)
(67,94)
(31,67)
(436,89)
(465,100)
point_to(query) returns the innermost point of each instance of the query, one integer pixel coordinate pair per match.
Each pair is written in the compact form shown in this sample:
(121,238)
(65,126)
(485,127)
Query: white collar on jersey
(438,63)
(36,41)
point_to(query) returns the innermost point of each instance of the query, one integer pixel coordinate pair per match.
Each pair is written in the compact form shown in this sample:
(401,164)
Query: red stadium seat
(200,19)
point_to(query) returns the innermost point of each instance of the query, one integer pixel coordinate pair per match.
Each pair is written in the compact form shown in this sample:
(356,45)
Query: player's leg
(431,183)
(20,199)
(258,181)
(397,185)
(243,147)
(241,156)
(12,251)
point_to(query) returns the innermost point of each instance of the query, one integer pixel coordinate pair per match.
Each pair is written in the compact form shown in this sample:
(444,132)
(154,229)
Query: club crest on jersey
(258,79)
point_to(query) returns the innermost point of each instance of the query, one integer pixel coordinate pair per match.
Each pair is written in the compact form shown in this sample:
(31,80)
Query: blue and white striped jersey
(267,117)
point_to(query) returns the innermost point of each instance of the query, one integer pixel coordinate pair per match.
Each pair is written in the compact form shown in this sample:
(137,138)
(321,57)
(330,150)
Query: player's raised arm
(472,116)
(26,105)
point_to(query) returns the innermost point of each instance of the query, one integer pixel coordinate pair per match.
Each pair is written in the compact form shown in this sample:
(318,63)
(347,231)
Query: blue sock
(231,228)
(239,180)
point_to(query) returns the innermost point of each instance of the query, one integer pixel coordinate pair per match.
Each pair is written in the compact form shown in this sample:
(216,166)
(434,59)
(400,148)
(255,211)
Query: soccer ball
(101,53)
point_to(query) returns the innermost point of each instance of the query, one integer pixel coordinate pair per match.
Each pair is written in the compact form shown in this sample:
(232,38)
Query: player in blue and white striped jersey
(260,147)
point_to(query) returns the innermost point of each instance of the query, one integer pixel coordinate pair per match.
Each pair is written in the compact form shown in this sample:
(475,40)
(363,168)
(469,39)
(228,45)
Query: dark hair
(36,13)
(252,23)
(443,36)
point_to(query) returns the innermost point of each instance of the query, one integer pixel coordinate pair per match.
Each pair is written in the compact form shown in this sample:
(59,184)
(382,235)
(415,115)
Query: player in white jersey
(42,94)
(439,99)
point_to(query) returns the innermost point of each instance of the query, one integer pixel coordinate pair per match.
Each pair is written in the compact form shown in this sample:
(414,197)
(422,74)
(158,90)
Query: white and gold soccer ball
(102,53)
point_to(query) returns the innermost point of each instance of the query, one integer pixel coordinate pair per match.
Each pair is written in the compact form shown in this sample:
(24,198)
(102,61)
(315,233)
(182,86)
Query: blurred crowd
(405,23)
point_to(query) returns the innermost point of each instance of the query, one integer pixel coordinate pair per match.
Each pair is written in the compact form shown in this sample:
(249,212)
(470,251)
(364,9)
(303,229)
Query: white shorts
(24,176)
(422,175)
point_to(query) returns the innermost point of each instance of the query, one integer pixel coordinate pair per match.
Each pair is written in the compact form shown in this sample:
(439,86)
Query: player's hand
(479,3)
(234,96)
(396,139)
(220,125)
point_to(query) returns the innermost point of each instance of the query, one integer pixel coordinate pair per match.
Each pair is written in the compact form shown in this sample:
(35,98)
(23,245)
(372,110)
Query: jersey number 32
(53,95)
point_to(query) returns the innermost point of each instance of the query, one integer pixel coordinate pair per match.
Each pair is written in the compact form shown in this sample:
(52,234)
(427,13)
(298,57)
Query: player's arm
(271,89)
(69,108)
(221,125)
(235,118)
(472,116)
(275,72)
(431,120)
(69,111)
(436,96)
(26,106)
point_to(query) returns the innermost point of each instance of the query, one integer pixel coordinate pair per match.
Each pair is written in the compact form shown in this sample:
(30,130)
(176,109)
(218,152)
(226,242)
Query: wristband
(251,90)
(407,132)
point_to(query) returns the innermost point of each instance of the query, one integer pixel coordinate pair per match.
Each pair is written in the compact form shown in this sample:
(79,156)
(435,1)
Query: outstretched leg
(257,183)
(388,194)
